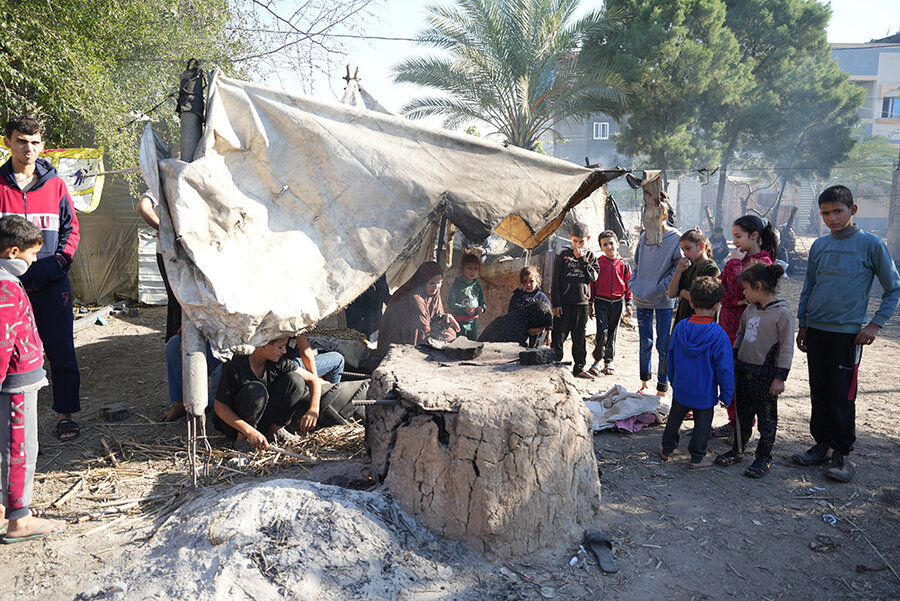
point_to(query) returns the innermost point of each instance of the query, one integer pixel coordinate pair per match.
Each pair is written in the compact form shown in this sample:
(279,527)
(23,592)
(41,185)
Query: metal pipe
(193,346)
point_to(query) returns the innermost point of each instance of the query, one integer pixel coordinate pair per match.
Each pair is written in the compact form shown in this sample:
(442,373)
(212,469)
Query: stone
(537,356)
(491,453)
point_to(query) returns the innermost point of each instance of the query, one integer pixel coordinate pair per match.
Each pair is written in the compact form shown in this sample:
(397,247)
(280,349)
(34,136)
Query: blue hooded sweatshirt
(700,365)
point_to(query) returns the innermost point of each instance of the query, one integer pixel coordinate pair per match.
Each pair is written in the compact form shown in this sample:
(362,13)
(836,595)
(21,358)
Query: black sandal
(757,469)
(66,429)
(729,458)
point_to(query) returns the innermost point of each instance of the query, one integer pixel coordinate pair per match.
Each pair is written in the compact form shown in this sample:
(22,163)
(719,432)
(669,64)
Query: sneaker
(841,468)
(816,455)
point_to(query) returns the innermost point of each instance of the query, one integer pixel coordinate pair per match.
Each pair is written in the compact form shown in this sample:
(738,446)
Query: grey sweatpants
(18,451)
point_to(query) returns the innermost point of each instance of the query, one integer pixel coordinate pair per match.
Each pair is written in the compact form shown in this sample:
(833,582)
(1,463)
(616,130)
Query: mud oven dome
(486,451)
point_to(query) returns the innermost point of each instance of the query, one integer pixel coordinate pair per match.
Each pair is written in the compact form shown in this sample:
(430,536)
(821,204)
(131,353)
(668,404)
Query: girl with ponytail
(763,350)
(755,241)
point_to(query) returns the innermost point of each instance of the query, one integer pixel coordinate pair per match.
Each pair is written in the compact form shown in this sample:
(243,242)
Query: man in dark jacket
(30,187)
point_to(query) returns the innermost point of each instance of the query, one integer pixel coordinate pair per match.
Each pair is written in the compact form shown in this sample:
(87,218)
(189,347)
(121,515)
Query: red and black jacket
(48,206)
(612,279)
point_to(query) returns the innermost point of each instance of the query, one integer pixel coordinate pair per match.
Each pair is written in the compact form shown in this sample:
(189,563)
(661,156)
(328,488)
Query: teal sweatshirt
(839,277)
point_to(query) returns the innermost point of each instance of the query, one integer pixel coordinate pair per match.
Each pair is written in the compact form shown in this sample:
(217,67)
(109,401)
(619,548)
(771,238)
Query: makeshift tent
(293,206)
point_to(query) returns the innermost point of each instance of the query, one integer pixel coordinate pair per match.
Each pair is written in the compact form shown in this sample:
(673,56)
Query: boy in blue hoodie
(701,369)
(832,311)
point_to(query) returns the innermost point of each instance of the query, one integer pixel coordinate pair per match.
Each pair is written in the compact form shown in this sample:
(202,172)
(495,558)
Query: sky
(853,21)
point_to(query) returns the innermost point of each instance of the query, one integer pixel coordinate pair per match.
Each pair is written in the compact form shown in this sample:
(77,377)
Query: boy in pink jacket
(21,376)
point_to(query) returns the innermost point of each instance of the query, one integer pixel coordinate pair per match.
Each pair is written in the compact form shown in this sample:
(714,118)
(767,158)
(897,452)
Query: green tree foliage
(683,68)
(801,109)
(513,65)
(91,69)
(867,170)
(760,89)
(88,68)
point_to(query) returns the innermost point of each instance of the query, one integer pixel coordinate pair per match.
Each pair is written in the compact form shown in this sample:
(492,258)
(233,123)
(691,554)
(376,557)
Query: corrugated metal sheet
(151,290)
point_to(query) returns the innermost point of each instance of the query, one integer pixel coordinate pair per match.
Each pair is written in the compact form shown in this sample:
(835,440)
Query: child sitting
(21,376)
(763,350)
(259,393)
(696,263)
(832,309)
(573,271)
(701,369)
(466,297)
(609,296)
(529,290)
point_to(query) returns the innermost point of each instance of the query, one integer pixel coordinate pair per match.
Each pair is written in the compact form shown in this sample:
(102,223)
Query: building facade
(876,68)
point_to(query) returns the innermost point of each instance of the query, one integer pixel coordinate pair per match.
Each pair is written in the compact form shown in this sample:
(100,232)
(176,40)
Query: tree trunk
(893,237)
(720,194)
(777,206)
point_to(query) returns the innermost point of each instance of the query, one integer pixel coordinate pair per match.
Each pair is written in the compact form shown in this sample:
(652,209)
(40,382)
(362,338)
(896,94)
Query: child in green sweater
(466,298)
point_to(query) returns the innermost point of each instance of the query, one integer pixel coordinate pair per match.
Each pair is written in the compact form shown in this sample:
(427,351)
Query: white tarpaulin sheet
(294,206)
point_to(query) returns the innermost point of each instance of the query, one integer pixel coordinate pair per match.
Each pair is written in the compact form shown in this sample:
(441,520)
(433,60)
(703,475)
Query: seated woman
(415,312)
(259,394)
(524,325)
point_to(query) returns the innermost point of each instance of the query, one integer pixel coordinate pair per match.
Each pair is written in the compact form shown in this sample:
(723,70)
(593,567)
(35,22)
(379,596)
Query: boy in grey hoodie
(653,270)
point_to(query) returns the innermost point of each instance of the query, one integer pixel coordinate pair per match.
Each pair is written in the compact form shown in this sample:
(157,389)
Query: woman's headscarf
(425,272)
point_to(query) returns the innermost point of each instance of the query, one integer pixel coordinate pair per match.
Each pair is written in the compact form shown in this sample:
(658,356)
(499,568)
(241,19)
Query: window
(601,129)
(890,109)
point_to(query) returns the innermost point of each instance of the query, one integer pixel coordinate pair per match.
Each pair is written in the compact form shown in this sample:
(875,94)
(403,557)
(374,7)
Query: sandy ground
(711,534)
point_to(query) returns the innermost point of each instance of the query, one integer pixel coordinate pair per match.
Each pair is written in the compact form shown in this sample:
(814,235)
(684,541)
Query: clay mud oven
(486,451)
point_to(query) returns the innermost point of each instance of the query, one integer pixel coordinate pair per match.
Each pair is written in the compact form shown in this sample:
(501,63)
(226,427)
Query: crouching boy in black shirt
(259,393)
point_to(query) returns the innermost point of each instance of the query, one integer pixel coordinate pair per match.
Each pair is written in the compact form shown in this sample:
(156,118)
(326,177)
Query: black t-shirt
(237,372)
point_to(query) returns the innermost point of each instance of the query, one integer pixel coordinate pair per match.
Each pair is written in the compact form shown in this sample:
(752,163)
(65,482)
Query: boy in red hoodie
(21,376)
(609,295)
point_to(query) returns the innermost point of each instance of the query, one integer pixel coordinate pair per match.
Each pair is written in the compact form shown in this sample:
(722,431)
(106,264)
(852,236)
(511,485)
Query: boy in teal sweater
(466,298)
(833,303)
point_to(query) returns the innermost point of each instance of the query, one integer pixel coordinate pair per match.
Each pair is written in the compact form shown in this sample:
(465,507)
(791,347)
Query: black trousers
(261,407)
(752,400)
(52,306)
(700,437)
(833,367)
(607,313)
(173,309)
(573,321)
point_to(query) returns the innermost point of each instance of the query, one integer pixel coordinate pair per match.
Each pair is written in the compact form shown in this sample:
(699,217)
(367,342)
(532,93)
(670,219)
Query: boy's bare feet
(175,413)
(584,375)
(662,454)
(705,462)
(31,527)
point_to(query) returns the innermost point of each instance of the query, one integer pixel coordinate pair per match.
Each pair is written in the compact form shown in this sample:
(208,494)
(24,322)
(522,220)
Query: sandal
(66,429)
(723,431)
(608,370)
(594,370)
(757,469)
(729,458)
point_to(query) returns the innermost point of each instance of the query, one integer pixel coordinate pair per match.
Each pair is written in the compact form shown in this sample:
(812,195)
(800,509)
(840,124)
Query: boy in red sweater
(609,295)
(21,376)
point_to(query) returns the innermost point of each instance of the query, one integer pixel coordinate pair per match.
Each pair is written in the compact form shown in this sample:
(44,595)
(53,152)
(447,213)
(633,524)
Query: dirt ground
(680,535)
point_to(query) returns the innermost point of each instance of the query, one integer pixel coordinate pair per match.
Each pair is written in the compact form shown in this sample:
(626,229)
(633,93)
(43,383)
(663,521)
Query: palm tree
(512,64)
